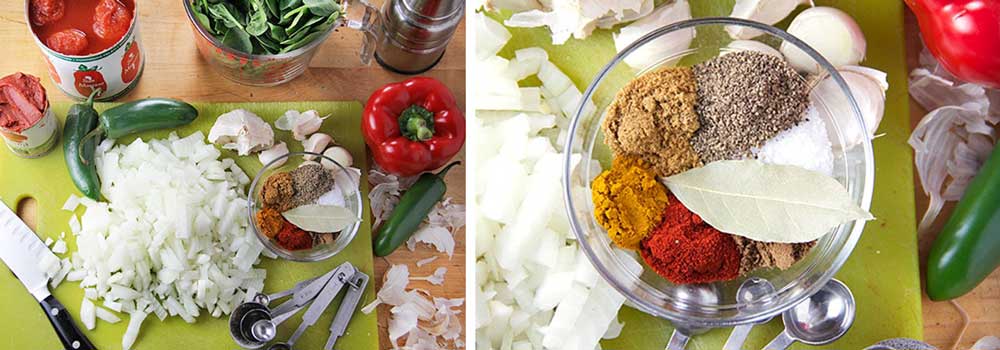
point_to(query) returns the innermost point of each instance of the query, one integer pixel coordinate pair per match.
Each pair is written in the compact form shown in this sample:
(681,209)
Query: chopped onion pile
(535,287)
(955,138)
(173,238)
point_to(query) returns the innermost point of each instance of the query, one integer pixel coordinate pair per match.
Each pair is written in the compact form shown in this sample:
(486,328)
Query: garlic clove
(279,150)
(243,131)
(316,144)
(305,124)
(287,120)
(829,31)
(664,46)
(868,87)
(750,45)
(764,11)
(338,154)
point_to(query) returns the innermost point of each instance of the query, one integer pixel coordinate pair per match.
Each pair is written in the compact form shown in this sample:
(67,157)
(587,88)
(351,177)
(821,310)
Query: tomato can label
(35,141)
(115,70)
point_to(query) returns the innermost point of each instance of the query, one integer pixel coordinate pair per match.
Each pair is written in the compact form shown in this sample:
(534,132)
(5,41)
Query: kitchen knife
(21,250)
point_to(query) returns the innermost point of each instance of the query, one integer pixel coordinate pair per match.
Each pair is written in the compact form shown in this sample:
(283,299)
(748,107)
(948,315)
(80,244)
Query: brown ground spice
(653,117)
(278,192)
(760,255)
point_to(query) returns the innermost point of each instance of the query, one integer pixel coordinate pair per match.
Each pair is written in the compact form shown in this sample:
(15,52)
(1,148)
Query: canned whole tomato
(88,45)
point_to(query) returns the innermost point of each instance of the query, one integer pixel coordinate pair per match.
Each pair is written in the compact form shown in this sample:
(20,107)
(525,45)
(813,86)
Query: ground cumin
(278,192)
(760,255)
(653,117)
(628,201)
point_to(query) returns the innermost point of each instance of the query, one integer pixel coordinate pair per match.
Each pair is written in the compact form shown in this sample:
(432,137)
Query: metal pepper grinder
(414,33)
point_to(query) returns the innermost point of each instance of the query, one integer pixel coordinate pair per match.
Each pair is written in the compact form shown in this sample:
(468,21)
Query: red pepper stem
(444,171)
(417,123)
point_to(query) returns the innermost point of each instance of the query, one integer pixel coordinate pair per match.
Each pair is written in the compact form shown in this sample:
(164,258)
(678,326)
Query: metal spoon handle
(678,341)
(738,337)
(781,342)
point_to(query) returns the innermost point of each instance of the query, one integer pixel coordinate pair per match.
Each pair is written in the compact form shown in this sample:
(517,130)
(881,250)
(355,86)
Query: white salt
(805,145)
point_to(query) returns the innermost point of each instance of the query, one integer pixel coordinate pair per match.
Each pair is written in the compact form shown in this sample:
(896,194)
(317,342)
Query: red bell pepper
(964,35)
(413,126)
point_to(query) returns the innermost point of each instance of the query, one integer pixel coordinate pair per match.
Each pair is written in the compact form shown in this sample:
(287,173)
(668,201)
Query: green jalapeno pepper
(413,207)
(79,153)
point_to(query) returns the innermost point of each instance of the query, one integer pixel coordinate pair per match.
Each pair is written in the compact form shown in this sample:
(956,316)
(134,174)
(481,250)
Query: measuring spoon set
(820,319)
(254,324)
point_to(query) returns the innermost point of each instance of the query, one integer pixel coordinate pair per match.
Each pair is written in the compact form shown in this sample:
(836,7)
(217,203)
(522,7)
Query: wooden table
(942,321)
(174,69)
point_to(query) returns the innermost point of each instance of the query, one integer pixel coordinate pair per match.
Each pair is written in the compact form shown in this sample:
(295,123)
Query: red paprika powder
(684,249)
(293,238)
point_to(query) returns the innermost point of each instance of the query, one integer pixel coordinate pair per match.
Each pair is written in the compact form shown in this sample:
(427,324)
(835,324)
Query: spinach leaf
(222,12)
(322,8)
(272,8)
(308,23)
(258,23)
(277,32)
(289,4)
(302,42)
(238,39)
(268,44)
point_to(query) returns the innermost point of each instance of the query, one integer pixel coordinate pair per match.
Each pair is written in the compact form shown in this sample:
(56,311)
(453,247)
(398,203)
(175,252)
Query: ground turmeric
(270,222)
(628,200)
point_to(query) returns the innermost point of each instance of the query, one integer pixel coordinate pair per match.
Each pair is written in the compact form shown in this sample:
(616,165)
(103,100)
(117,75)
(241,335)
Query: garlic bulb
(316,144)
(241,130)
(831,32)
(338,154)
(868,87)
(664,46)
(273,153)
(750,45)
(764,11)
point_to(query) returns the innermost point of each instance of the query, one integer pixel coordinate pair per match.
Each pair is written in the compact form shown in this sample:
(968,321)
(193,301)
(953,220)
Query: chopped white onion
(173,237)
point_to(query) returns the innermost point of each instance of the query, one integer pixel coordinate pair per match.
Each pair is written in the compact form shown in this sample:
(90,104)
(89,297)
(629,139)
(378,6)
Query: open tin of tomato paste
(81,61)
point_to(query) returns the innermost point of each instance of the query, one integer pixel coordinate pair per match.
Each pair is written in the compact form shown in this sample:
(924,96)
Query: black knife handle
(62,321)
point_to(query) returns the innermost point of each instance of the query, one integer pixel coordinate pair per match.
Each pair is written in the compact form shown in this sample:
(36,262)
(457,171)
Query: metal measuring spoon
(700,294)
(818,320)
(754,288)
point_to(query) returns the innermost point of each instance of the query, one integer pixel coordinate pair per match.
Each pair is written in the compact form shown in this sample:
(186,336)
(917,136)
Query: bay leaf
(765,202)
(320,218)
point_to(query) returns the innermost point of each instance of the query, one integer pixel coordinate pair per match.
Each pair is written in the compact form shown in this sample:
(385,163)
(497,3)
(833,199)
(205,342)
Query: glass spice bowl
(647,291)
(348,185)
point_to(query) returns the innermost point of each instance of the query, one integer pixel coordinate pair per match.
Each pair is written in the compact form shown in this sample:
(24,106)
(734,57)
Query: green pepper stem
(444,171)
(90,99)
(97,132)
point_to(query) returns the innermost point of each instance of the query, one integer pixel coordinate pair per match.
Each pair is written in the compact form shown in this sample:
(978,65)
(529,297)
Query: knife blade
(21,250)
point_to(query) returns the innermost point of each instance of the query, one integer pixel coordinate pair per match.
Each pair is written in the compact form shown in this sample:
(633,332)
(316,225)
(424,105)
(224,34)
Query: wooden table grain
(175,69)
(942,321)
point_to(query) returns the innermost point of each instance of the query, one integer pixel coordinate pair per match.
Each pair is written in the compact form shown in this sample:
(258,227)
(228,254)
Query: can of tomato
(88,45)
(27,124)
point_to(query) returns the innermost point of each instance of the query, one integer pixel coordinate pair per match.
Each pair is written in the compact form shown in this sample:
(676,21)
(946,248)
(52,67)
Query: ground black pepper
(744,99)
(310,182)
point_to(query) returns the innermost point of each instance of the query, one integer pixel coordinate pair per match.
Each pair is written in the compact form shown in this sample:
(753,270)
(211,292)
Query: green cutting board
(882,272)
(25,327)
